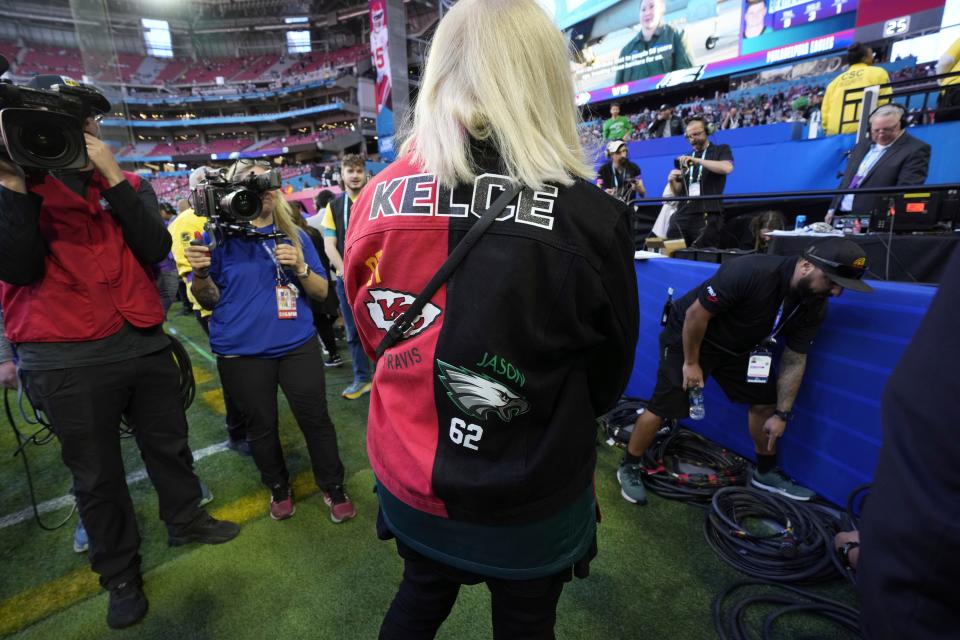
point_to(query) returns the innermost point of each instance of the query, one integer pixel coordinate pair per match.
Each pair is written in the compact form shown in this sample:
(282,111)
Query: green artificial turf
(305,577)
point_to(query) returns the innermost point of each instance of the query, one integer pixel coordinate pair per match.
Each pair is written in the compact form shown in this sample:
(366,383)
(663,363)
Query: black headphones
(903,113)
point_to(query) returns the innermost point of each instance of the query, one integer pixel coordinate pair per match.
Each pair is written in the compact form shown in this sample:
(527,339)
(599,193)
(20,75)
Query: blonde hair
(498,70)
(282,211)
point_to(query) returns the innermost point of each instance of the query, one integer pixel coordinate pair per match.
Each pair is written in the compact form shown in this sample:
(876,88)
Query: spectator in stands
(910,534)
(511,503)
(717,327)
(892,157)
(262,332)
(666,124)
(861,73)
(620,177)
(948,107)
(618,127)
(185,228)
(657,49)
(335,221)
(702,173)
(733,119)
(755,18)
(86,320)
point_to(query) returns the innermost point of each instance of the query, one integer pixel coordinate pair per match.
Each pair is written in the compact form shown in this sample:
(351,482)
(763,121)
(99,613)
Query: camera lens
(242,205)
(44,141)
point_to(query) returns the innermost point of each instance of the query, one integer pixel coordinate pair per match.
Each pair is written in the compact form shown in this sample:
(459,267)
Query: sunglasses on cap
(836,268)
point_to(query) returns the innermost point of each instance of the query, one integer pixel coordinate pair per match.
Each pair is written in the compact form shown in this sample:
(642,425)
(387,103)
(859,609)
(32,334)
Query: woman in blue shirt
(262,332)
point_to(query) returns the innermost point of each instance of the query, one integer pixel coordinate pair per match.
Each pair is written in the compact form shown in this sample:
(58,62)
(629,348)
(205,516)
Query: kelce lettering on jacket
(419,195)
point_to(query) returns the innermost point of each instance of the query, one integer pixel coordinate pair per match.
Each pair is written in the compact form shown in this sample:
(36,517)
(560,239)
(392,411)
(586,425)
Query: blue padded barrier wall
(832,444)
(770,158)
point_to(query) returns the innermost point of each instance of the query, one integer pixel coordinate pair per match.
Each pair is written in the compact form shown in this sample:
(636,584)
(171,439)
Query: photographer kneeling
(262,329)
(80,304)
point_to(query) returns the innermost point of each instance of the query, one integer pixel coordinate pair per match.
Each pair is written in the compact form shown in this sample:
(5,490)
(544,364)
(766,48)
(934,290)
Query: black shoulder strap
(404,322)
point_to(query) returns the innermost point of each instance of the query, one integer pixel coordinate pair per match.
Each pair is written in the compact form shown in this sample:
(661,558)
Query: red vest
(91,283)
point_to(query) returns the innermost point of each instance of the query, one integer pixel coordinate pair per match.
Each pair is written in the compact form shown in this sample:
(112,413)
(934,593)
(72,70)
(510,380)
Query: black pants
(521,608)
(698,229)
(236,421)
(324,324)
(84,406)
(300,374)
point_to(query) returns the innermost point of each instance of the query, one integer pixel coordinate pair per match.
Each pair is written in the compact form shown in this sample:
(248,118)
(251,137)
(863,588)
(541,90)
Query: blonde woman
(481,428)
(262,332)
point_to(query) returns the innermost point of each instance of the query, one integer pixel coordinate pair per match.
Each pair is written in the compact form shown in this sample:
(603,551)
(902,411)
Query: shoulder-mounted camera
(41,124)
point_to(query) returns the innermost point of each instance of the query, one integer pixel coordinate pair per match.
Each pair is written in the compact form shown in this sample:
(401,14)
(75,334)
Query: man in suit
(891,157)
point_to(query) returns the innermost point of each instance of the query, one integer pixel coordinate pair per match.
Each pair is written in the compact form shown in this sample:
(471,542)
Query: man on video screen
(656,50)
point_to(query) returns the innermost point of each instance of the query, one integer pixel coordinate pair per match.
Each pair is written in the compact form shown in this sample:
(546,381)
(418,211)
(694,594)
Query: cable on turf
(730,614)
(663,474)
(767,536)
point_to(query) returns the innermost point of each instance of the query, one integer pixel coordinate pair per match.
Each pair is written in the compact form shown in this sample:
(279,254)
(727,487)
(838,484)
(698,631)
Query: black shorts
(671,401)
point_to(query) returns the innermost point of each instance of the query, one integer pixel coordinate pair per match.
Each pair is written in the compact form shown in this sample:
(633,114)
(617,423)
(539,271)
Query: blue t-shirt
(245,321)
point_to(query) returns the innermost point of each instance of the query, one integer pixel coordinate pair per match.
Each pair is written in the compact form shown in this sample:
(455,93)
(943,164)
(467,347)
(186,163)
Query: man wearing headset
(704,172)
(728,328)
(890,157)
(619,177)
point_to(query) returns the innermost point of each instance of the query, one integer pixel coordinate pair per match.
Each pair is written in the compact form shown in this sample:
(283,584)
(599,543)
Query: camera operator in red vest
(84,314)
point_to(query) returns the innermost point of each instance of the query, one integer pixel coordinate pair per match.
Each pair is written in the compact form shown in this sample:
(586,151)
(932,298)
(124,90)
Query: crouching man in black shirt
(727,328)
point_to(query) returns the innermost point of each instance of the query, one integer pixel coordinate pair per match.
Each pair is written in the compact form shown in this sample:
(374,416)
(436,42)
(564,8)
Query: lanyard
(346,206)
(281,276)
(778,325)
(699,166)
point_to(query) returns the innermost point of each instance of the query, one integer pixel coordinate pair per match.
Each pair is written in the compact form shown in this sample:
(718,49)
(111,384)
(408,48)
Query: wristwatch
(306,271)
(786,416)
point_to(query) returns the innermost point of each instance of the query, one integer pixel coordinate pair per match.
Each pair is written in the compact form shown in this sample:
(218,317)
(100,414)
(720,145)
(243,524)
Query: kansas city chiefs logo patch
(386,307)
(478,395)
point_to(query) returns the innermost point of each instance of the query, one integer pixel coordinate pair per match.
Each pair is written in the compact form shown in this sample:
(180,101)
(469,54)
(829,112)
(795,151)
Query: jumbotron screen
(630,46)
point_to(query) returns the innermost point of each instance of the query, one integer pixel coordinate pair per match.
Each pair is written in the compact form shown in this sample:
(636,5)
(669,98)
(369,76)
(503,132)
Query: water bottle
(800,223)
(697,411)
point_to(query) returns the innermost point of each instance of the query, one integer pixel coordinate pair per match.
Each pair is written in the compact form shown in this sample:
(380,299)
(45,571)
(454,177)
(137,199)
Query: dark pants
(236,422)
(698,229)
(300,374)
(324,324)
(84,406)
(521,608)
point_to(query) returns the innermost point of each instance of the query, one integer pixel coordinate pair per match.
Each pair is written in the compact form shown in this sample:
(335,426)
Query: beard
(806,292)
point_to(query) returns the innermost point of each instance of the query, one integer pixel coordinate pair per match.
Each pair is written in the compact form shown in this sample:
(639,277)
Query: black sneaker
(127,605)
(206,530)
(334,361)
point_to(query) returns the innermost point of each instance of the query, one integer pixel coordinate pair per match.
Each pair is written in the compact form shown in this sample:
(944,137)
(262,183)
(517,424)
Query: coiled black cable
(770,537)
(618,423)
(663,475)
(729,619)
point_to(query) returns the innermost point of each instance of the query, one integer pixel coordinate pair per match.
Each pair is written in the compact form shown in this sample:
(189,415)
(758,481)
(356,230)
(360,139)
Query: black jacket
(906,162)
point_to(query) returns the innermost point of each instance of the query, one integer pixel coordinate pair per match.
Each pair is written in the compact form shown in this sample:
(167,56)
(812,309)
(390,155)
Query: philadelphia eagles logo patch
(478,395)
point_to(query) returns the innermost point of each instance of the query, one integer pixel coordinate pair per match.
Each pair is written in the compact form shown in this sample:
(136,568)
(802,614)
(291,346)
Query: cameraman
(262,332)
(621,178)
(81,306)
(703,172)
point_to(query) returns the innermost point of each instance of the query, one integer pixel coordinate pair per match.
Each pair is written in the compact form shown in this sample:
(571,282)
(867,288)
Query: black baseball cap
(94,100)
(842,260)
